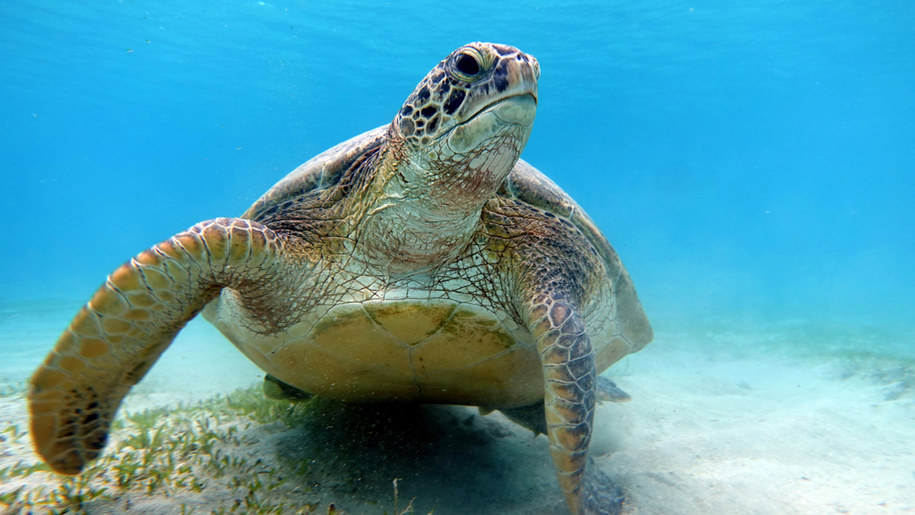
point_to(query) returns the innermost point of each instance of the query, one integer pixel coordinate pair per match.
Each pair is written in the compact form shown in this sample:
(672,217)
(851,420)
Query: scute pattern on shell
(420,261)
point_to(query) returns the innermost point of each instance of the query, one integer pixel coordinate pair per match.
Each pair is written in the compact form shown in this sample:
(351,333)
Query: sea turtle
(421,261)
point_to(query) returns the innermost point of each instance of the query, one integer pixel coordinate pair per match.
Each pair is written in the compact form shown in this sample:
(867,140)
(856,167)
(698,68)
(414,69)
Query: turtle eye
(467,65)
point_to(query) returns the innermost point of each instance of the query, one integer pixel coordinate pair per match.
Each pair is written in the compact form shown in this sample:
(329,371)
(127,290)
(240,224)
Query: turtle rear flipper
(608,391)
(276,389)
(531,417)
(118,335)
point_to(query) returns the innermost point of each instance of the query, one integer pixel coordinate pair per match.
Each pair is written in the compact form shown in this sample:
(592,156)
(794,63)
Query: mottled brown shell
(510,310)
(524,183)
(320,172)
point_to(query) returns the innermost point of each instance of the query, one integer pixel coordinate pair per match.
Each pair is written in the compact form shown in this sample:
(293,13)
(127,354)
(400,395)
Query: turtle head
(464,126)
(447,153)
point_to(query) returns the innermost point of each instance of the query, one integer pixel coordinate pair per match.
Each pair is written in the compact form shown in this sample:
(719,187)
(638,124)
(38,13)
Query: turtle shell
(525,184)
(320,172)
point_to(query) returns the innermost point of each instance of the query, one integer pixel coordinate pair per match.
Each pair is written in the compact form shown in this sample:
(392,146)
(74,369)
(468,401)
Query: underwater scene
(752,165)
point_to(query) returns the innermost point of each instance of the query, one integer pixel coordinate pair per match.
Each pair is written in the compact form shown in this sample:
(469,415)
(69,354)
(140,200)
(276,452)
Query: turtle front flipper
(570,382)
(534,418)
(118,335)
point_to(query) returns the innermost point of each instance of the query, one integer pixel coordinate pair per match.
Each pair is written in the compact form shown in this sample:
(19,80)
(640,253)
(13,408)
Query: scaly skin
(118,335)
(569,401)
(553,302)
(431,222)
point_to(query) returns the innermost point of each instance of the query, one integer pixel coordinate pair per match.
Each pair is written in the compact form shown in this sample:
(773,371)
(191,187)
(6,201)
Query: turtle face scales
(473,77)
(393,266)
(466,123)
(449,149)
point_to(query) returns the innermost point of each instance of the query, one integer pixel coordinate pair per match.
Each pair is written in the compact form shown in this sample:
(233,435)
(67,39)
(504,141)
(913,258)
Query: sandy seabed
(722,421)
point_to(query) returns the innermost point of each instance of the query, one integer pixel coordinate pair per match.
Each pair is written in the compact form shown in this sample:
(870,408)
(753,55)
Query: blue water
(751,162)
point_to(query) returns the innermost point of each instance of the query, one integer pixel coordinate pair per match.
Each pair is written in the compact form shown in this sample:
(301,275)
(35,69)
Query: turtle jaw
(511,117)
(522,107)
(518,109)
(449,149)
